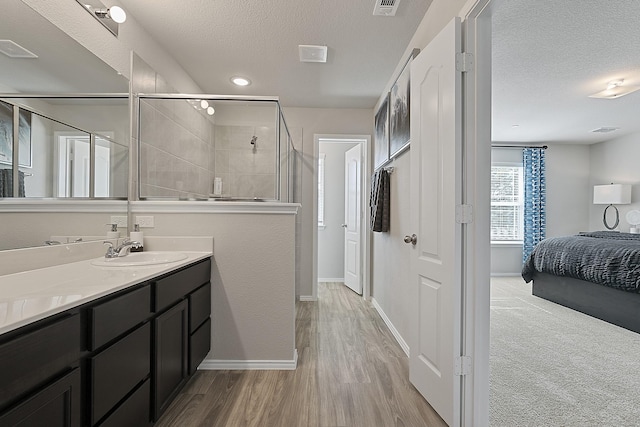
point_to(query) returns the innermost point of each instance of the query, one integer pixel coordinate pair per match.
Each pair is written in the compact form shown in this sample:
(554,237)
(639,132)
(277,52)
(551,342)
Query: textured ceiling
(549,56)
(214,40)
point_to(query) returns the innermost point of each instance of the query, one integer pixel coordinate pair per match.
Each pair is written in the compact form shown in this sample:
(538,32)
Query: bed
(595,273)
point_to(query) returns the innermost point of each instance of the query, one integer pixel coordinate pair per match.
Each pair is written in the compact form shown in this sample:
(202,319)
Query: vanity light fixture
(204,104)
(615,89)
(210,111)
(109,17)
(240,81)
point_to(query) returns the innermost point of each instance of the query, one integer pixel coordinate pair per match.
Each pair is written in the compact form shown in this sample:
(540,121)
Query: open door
(352,225)
(436,193)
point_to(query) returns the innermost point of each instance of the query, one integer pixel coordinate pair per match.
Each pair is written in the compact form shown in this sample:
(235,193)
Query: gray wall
(308,122)
(331,238)
(614,161)
(567,200)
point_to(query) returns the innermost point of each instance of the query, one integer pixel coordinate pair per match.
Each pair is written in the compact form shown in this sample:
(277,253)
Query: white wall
(615,161)
(331,237)
(390,255)
(308,122)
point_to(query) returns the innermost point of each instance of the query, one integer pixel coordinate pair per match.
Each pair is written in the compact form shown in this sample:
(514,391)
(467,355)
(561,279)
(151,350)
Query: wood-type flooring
(351,372)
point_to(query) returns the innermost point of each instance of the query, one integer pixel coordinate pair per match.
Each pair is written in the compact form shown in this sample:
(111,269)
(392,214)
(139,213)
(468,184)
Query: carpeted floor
(552,366)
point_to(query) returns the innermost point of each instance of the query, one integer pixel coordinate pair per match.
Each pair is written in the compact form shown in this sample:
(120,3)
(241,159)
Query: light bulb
(210,111)
(117,14)
(204,104)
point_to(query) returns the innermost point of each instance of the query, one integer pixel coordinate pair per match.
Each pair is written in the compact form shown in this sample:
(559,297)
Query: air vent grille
(386,7)
(14,50)
(605,130)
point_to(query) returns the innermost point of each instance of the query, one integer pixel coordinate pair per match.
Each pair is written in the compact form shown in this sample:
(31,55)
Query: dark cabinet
(171,361)
(55,405)
(117,361)
(118,369)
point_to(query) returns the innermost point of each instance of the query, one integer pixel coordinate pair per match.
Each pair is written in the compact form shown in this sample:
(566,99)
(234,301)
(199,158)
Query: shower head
(254,139)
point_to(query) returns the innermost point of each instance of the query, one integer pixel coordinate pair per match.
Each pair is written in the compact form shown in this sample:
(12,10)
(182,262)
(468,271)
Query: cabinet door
(171,355)
(57,405)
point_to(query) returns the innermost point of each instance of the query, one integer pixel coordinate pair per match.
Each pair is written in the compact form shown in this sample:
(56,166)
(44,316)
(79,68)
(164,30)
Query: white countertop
(28,296)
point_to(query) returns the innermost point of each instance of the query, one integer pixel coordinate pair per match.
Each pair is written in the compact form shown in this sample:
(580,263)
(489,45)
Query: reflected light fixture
(240,81)
(109,17)
(204,104)
(615,89)
(611,194)
(210,111)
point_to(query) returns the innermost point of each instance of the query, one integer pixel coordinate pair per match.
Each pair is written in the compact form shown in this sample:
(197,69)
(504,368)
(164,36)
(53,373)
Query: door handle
(413,239)
(344,226)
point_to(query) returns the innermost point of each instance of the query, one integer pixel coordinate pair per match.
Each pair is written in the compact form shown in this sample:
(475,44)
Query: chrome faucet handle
(111,253)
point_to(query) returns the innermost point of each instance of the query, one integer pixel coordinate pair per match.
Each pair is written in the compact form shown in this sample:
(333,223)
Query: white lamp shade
(612,194)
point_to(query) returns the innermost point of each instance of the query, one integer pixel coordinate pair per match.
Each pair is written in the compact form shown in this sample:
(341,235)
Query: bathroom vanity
(84,345)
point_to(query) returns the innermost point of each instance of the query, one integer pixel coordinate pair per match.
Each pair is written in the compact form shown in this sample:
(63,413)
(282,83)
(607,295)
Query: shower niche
(212,148)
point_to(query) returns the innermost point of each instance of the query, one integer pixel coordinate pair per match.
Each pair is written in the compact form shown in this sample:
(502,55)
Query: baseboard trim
(403,344)
(331,279)
(250,365)
(307,298)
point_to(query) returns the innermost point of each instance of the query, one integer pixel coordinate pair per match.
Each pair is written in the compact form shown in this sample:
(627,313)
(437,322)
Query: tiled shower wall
(175,149)
(246,170)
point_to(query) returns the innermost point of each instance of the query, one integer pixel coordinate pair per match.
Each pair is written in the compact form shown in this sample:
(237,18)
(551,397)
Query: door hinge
(464,62)
(464,214)
(463,366)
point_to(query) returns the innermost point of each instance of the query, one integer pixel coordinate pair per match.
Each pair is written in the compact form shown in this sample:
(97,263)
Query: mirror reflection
(88,158)
(72,152)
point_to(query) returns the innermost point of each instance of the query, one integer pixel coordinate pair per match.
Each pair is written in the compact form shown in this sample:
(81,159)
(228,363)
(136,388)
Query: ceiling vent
(386,7)
(605,130)
(310,53)
(14,50)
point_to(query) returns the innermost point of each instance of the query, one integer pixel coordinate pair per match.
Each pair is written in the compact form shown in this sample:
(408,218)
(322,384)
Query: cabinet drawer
(34,358)
(173,288)
(135,411)
(57,405)
(199,346)
(199,306)
(118,369)
(118,315)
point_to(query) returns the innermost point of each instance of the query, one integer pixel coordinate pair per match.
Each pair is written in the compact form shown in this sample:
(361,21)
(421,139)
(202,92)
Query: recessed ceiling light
(605,129)
(204,104)
(240,81)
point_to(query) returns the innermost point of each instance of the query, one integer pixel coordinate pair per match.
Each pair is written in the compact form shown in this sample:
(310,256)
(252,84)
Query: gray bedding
(604,257)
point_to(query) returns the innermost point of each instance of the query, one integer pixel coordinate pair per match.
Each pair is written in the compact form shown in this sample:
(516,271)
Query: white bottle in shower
(217,186)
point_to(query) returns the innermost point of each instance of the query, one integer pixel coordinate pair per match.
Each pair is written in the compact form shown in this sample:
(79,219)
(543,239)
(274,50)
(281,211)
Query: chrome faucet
(122,250)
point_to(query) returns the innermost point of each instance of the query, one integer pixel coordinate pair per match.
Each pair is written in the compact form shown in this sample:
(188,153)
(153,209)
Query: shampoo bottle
(136,236)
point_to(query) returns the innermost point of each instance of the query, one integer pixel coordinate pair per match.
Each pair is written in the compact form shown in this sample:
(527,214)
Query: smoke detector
(311,53)
(386,7)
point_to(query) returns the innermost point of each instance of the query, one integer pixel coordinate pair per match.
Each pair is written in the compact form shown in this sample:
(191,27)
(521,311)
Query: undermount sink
(140,258)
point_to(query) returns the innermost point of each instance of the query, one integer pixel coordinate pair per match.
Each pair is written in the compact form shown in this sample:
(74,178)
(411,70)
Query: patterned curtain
(535,195)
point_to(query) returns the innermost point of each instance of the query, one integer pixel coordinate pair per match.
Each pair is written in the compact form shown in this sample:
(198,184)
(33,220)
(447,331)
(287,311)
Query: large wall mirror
(70,114)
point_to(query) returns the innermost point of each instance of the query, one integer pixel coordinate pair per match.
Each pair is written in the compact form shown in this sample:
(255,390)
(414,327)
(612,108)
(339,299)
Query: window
(321,159)
(507,203)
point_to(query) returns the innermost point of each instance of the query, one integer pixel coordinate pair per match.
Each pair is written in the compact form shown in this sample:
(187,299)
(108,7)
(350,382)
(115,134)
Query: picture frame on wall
(399,110)
(381,137)
(6,135)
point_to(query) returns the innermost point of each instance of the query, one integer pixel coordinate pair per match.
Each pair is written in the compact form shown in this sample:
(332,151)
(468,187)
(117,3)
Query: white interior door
(352,215)
(436,184)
